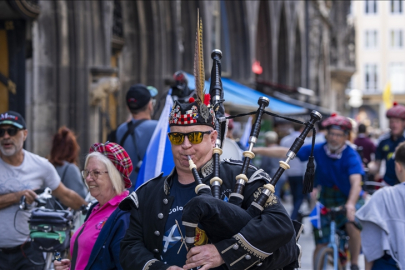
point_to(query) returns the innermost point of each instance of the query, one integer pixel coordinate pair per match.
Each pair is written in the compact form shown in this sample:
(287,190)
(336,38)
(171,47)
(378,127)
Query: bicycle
(50,229)
(336,252)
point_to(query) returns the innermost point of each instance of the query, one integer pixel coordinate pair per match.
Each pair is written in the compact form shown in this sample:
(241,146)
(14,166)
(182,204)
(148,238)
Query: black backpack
(112,136)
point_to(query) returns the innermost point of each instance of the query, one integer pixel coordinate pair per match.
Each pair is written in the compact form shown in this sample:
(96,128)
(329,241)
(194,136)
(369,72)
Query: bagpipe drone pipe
(222,220)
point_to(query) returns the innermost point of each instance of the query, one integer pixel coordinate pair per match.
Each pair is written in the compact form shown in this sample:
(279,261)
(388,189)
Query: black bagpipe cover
(220,220)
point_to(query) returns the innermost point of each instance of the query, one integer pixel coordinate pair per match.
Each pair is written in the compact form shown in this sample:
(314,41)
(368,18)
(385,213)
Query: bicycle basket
(50,229)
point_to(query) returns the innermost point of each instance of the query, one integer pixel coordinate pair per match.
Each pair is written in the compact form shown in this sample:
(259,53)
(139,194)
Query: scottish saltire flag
(244,140)
(315,215)
(158,157)
(171,238)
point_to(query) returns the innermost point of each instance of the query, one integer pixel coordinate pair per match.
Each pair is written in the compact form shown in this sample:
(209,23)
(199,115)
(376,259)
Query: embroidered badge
(194,111)
(204,112)
(212,115)
(201,237)
(100,225)
(270,201)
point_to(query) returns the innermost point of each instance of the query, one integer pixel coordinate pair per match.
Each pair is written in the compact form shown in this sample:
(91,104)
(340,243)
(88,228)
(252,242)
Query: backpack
(131,130)
(112,136)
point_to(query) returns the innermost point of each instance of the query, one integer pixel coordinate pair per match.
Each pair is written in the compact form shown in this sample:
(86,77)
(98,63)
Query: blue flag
(158,157)
(315,215)
(244,140)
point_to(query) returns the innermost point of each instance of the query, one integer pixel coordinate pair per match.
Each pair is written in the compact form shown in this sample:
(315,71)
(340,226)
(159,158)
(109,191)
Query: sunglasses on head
(194,137)
(11,131)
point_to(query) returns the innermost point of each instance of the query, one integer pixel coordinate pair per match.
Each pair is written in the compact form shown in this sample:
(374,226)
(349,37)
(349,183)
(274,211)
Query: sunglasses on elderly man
(11,131)
(194,137)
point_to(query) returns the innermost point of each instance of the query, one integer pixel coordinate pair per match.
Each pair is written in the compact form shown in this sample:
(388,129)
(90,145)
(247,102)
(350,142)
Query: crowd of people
(142,229)
(341,166)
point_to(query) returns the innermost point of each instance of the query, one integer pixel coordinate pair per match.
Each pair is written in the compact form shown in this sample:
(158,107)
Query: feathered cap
(197,111)
(396,111)
(338,122)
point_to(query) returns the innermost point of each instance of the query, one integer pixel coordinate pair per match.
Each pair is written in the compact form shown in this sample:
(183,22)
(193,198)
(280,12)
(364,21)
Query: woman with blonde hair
(96,244)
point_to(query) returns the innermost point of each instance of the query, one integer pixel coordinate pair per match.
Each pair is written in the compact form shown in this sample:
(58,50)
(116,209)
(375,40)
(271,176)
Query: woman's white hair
(115,176)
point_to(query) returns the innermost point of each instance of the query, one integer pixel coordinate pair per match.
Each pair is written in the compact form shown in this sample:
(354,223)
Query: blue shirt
(136,145)
(332,172)
(172,237)
(385,150)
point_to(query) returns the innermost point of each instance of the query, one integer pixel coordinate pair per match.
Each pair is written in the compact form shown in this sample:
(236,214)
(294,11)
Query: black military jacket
(266,242)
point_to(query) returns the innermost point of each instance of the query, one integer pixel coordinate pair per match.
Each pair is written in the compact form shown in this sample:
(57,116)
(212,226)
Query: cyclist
(21,173)
(388,142)
(338,177)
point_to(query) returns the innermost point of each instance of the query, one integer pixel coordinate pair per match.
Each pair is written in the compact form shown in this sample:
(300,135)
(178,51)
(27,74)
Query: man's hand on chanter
(206,256)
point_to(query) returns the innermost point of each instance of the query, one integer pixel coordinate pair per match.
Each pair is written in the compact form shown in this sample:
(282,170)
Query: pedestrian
(367,145)
(387,144)
(65,156)
(270,165)
(383,222)
(153,239)
(295,174)
(22,172)
(96,244)
(338,176)
(135,135)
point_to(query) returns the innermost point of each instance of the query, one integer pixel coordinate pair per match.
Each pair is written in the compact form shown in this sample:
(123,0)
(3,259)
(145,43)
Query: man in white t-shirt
(22,172)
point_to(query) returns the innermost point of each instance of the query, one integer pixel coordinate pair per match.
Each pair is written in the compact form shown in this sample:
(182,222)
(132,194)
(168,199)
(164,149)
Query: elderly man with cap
(155,237)
(388,142)
(338,174)
(135,135)
(22,172)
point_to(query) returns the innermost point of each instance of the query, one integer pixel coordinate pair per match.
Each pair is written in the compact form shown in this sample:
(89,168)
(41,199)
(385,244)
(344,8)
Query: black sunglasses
(11,131)
(194,137)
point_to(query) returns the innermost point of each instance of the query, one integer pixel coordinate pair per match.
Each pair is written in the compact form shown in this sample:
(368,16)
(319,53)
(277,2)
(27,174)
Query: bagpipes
(206,207)
(222,220)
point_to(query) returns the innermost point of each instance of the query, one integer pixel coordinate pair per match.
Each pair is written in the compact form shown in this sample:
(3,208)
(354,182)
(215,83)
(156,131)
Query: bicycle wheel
(324,259)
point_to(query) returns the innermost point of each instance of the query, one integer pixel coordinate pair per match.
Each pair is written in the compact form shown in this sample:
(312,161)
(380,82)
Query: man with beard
(338,177)
(22,172)
(387,144)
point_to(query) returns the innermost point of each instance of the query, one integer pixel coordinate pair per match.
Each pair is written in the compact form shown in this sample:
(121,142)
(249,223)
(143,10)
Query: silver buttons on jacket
(160,216)
(247,257)
(259,264)
(156,250)
(165,201)
(157,233)
(235,247)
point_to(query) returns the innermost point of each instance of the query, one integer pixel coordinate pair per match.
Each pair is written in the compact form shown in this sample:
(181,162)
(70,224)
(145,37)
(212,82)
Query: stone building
(72,61)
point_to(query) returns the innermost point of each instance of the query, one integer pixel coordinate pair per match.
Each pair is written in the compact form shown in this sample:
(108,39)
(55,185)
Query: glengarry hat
(12,118)
(192,113)
(396,111)
(118,156)
(337,122)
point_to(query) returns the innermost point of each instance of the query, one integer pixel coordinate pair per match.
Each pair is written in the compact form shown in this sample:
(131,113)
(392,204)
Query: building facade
(72,61)
(380,57)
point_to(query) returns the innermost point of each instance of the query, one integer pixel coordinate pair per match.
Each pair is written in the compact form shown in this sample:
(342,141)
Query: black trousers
(21,258)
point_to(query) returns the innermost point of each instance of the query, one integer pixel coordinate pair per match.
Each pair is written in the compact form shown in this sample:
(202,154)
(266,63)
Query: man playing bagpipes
(157,237)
